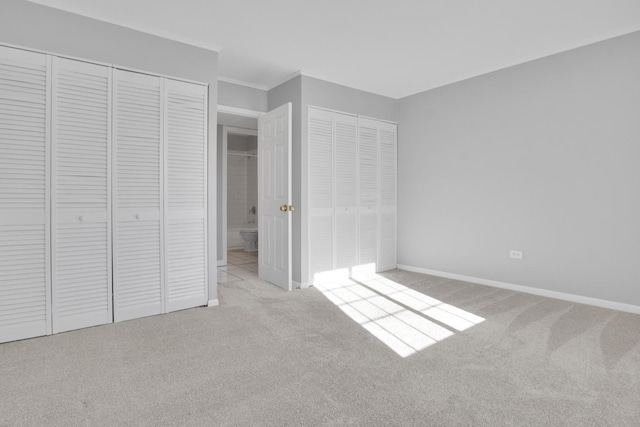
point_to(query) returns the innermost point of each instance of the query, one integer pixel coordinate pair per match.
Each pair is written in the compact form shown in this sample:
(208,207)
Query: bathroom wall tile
(252,187)
(237,209)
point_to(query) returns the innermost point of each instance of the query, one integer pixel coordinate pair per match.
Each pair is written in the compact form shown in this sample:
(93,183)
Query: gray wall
(320,93)
(291,91)
(39,27)
(303,91)
(543,157)
(42,28)
(242,142)
(234,95)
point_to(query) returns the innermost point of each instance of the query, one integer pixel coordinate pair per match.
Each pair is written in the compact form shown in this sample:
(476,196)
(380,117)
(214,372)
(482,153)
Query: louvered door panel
(24,195)
(81,217)
(321,187)
(368,190)
(138,282)
(387,258)
(346,184)
(185,205)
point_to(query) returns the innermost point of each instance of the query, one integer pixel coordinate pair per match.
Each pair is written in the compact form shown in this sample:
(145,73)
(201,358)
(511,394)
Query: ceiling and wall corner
(391,48)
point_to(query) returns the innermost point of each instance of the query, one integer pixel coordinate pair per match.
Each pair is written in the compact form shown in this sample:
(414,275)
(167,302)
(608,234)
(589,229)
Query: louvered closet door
(346,184)
(137,194)
(24,195)
(368,190)
(388,157)
(186,183)
(321,187)
(81,217)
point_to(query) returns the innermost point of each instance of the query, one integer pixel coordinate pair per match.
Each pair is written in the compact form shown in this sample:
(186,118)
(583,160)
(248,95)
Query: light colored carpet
(266,357)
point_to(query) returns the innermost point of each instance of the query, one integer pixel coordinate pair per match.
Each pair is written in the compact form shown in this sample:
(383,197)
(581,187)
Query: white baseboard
(613,305)
(213,303)
(298,285)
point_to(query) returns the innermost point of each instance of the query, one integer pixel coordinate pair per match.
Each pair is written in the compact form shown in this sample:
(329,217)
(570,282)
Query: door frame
(222,175)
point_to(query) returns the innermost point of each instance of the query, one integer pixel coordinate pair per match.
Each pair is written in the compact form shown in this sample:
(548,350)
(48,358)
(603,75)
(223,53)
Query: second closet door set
(352,193)
(102,194)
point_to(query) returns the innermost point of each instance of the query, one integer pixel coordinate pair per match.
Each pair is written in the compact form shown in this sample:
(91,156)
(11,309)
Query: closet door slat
(185,130)
(387,253)
(24,195)
(138,280)
(368,185)
(321,188)
(346,190)
(81,214)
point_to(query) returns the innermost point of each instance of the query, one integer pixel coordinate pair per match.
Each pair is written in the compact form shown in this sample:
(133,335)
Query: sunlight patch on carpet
(404,319)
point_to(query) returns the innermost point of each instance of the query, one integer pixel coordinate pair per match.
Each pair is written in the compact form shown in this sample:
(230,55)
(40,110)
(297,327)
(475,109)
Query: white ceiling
(391,47)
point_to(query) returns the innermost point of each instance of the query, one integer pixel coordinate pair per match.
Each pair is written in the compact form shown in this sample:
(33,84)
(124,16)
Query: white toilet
(250,237)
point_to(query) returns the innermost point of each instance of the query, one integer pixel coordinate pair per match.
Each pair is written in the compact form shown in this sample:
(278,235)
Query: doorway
(270,221)
(242,195)
(237,154)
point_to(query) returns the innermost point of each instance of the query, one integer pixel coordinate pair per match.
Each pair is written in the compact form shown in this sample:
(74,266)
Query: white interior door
(185,128)
(346,190)
(387,258)
(274,196)
(138,286)
(333,192)
(81,195)
(24,195)
(321,188)
(368,191)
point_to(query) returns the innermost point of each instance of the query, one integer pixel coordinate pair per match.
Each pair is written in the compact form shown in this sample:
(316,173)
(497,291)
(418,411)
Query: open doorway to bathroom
(238,233)
(242,197)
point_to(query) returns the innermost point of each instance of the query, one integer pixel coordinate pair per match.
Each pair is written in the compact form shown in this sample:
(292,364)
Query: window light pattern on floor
(404,319)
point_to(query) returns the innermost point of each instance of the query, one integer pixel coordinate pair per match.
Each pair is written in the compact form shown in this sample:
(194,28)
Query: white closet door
(137,194)
(81,216)
(24,195)
(387,258)
(321,187)
(346,184)
(185,112)
(368,191)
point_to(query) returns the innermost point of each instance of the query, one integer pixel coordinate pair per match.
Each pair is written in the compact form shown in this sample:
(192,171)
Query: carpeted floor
(267,357)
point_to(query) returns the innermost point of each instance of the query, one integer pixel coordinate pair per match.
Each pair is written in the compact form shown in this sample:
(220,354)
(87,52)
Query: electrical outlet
(515,254)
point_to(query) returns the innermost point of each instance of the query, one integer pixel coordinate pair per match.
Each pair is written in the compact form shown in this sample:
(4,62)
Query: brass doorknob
(284,208)
(292,208)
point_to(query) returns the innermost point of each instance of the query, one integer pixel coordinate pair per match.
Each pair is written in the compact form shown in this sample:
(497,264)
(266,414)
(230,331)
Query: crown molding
(141,28)
(304,73)
(337,82)
(325,79)
(528,58)
(242,83)
(285,79)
